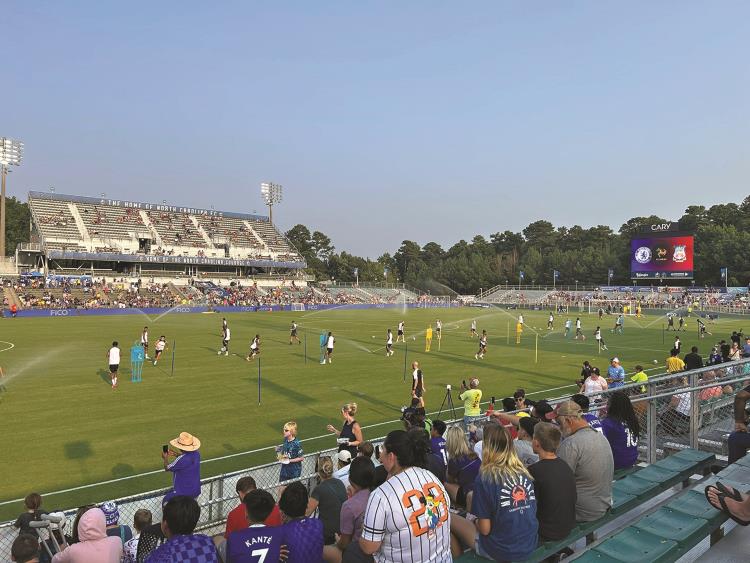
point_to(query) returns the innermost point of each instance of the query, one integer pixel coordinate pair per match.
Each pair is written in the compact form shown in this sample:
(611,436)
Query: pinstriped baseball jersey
(409,515)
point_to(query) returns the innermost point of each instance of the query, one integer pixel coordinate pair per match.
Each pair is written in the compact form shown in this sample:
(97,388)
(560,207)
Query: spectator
(593,385)
(304,536)
(290,453)
(677,418)
(735,355)
(472,397)
(588,454)
(554,485)
(95,546)
(350,435)
(180,517)
(33,505)
(327,499)
(25,549)
(506,526)
(522,444)
(186,468)
(73,538)
(583,402)
(112,516)
(391,525)
(141,520)
(710,393)
(615,373)
(622,429)
(343,461)
(674,363)
(437,449)
(693,360)
(463,467)
(237,518)
(362,478)
(242,544)
(739,440)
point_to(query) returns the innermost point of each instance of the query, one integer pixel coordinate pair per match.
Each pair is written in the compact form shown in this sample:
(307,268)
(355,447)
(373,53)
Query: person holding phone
(186,468)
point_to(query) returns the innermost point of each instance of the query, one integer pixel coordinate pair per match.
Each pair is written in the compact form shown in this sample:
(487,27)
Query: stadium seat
(635,545)
(634,485)
(674,525)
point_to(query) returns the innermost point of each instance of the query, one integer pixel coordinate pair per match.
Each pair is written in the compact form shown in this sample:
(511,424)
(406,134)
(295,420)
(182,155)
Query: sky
(384,121)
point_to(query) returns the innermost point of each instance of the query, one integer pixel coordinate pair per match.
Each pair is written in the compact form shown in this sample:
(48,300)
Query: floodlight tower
(11,154)
(272,194)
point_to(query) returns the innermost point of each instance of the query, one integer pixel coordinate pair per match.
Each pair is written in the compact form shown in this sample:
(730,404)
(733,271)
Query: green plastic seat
(673,463)
(743,461)
(694,503)
(659,474)
(735,481)
(622,501)
(634,485)
(737,473)
(620,473)
(593,555)
(695,456)
(674,525)
(636,546)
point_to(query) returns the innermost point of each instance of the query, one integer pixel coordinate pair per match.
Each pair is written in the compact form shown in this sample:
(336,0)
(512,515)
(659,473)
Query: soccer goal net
(298,306)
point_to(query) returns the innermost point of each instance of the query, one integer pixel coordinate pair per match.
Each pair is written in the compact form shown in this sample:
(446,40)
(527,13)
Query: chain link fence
(691,409)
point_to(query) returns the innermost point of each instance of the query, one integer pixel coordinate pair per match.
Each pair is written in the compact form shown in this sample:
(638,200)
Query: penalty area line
(9,347)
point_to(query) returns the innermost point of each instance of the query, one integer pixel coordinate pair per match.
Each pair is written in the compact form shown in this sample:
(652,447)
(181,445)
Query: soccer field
(64,426)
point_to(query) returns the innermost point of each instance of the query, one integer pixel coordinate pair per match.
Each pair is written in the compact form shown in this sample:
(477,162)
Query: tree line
(582,255)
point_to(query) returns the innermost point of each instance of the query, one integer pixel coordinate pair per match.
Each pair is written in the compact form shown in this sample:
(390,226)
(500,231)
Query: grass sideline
(65,427)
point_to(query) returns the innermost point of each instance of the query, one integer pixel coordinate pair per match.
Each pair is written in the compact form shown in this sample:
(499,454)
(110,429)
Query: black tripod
(449,400)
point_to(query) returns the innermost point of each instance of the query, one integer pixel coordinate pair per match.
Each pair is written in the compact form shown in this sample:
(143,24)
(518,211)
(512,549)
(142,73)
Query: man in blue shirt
(186,469)
(615,373)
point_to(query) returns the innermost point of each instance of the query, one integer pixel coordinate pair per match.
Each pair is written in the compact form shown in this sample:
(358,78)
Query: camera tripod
(449,400)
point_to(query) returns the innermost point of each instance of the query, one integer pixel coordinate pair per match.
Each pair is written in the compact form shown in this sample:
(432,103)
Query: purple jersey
(624,445)
(255,544)
(593,421)
(304,539)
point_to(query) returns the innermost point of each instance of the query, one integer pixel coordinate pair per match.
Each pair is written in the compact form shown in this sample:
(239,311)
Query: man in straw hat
(186,470)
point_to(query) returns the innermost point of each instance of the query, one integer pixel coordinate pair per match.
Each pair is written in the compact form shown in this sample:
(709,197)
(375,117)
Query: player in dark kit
(293,334)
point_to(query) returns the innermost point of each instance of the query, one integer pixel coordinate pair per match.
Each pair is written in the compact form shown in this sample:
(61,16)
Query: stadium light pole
(11,154)
(272,195)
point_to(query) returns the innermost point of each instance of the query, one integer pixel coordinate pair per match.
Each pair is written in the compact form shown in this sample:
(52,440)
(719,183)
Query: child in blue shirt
(290,453)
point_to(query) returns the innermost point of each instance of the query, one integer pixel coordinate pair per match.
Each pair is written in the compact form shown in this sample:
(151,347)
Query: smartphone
(165,448)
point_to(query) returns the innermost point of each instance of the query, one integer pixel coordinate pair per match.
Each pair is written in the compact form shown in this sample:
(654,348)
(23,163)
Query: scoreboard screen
(662,257)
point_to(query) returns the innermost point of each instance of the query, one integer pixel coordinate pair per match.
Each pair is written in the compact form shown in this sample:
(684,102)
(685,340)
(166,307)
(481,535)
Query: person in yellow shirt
(472,397)
(519,331)
(428,339)
(640,377)
(674,362)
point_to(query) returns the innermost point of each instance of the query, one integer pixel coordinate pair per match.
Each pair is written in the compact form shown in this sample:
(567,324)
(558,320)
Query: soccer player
(389,343)
(579,331)
(226,336)
(677,344)
(428,339)
(417,381)
(568,324)
(254,348)
(601,313)
(638,311)
(482,346)
(438,328)
(400,332)
(224,324)
(682,323)
(551,322)
(473,329)
(114,363)
(293,334)
(670,321)
(618,324)
(519,330)
(159,347)
(599,338)
(520,319)
(258,541)
(702,329)
(330,341)
(144,341)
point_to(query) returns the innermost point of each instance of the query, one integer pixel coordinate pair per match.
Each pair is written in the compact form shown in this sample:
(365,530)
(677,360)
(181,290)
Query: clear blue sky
(385,121)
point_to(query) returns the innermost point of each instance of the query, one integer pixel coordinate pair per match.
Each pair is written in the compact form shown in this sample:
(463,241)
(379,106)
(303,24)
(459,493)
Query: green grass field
(64,426)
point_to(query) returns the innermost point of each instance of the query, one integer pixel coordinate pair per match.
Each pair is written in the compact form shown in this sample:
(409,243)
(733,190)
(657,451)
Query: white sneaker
(226,353)
(476,357)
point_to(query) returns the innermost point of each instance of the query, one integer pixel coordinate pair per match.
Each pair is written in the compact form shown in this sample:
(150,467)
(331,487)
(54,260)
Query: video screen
(662,257)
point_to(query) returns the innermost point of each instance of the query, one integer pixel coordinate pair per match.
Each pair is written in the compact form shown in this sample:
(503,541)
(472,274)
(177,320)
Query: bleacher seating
(54,219)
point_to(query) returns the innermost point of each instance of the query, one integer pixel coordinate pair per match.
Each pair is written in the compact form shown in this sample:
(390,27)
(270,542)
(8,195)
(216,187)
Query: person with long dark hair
(407,518)
(622,429)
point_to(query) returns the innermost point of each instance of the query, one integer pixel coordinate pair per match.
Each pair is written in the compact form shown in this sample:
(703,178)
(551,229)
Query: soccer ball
(373,336)
(655,362)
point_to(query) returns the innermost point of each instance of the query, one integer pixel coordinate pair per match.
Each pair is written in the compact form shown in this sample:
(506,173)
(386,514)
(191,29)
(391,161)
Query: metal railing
(691,409)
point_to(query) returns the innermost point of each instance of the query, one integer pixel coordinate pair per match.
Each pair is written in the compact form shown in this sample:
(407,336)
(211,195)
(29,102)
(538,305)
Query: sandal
(732,516)
(731,492)
(708,498)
